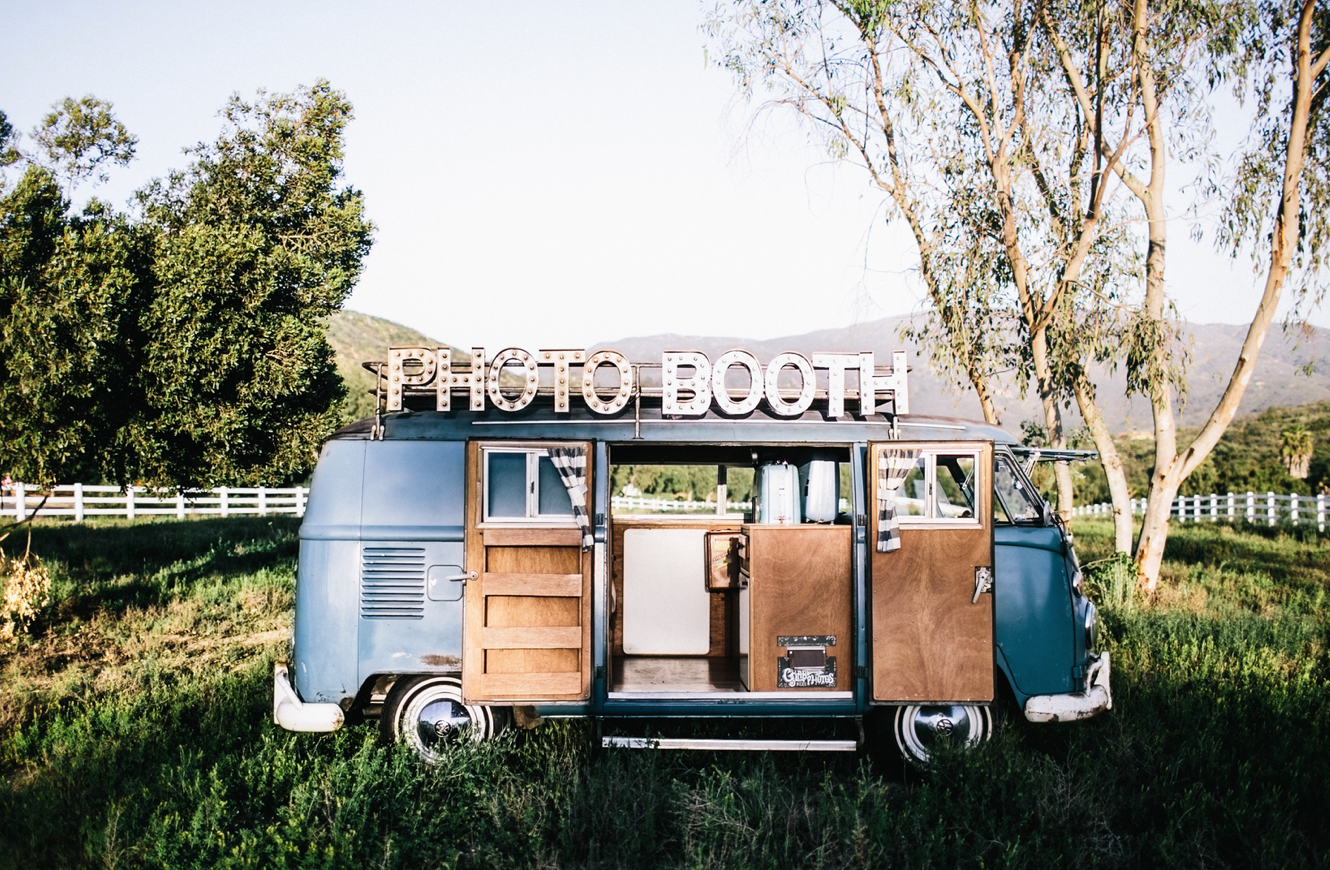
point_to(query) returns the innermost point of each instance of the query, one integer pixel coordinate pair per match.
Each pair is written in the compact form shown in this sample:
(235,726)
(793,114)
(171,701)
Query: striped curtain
(892,467)
(570,462)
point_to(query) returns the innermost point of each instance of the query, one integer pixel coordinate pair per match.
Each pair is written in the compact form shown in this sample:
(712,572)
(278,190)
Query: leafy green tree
(70,292)
(8,153)
(1295,451)
(253,246)
(78,138)
(186,347)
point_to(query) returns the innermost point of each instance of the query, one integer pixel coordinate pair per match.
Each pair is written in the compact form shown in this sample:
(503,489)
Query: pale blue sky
(541,174)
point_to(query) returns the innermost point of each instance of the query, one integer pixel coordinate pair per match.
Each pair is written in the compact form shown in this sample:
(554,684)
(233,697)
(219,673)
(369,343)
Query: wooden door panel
(528,610)
(801,580)
(533,661)
(930,642)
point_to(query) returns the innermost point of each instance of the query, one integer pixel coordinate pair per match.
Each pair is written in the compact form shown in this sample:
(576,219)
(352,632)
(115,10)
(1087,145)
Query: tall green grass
(1214,754)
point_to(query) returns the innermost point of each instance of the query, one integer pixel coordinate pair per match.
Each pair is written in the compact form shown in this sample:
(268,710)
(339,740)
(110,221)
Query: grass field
(135,730)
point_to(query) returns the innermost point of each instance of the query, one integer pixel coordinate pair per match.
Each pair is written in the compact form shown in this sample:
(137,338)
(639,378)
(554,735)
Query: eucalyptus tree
(838,68)
(1276,53)
(954,111)
(1135,77)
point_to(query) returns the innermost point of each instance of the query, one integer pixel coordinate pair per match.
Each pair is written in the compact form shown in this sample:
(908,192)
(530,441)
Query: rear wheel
(921,729)
(427,713)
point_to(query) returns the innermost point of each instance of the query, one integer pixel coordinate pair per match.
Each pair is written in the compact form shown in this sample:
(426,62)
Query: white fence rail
(81,501)
(1254,507)
(668,505)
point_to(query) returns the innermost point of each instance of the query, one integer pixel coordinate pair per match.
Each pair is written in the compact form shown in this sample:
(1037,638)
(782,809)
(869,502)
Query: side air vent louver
(392,583)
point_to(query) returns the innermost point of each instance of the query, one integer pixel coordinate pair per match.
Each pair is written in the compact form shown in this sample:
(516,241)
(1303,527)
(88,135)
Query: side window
(1016,499)
(522,484)
(940,488)
(955,486)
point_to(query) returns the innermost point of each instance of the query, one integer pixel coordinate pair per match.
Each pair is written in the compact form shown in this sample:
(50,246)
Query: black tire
(920,728)
(427,714)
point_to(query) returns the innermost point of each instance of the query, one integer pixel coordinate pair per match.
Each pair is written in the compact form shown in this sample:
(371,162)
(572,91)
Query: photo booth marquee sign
(690,382)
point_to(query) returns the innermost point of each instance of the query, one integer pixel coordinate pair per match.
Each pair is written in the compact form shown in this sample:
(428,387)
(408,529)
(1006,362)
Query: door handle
(983,582)
(469,575)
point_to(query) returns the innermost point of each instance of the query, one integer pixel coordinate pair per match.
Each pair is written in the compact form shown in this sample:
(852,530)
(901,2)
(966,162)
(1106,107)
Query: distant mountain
(1279,379)
(358,338)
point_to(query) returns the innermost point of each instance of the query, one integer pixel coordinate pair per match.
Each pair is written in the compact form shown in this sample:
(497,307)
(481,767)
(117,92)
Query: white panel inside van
(666,606)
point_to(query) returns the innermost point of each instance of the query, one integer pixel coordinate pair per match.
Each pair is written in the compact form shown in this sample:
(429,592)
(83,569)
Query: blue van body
(387,511)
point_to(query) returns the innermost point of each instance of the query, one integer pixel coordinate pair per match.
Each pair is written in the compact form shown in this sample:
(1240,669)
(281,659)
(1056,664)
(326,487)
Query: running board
(745,745)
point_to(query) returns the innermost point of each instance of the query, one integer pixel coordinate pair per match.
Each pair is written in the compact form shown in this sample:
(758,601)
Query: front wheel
(921,729)
(427,713)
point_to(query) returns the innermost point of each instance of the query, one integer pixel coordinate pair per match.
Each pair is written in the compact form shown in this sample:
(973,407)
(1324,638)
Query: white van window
(940,488)
(523,484)
(1017,502)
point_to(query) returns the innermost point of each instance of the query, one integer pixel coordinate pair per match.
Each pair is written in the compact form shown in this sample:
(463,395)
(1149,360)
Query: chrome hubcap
(442,720)
(924,728)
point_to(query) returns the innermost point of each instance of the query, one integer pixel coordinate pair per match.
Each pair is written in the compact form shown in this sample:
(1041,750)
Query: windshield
(1017,500)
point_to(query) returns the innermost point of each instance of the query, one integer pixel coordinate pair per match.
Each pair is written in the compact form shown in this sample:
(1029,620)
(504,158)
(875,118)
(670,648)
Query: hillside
(1280,379)
(1246,459)
(358,338)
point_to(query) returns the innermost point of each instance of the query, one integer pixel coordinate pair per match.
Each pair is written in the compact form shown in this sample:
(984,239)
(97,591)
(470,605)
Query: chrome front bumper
(294,714)
(1097,697)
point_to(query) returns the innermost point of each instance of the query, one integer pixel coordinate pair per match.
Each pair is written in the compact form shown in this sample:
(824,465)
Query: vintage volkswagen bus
(462,561)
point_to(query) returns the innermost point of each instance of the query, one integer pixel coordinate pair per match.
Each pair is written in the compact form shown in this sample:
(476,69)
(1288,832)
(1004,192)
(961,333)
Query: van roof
(540,422)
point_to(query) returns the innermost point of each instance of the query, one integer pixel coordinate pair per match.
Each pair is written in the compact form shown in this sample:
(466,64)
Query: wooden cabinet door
(932,634)
(527,632)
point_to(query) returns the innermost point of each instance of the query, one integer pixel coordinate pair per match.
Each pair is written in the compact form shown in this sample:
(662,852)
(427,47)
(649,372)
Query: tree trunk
(1154,528)
(1158,358)
(1170,468)
(1057,438)
(1112,462)
(986,400)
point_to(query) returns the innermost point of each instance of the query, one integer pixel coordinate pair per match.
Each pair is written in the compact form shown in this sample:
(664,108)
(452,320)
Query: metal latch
(469,575)
(983,582)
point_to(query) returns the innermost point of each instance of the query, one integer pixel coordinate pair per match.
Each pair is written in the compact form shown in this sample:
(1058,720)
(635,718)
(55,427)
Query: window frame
(1022,479)
(533,516)
(930,455)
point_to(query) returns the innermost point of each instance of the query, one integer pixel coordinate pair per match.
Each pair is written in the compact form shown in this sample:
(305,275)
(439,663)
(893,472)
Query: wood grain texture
(533,560)
(929,642)
(532,637)
(531,611)
(514,536)
(675,674)
(566,585)
(533,661)
(800,584)
(529,686)
(721,615)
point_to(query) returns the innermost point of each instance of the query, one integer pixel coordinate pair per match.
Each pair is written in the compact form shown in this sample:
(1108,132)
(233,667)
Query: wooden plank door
(527,632)
(932,635)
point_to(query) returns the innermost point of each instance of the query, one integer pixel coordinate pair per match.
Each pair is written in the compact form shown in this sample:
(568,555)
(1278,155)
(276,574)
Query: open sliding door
(527,634)
(932,571)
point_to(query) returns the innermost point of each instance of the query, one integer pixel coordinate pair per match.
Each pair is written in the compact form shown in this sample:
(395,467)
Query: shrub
(27,591)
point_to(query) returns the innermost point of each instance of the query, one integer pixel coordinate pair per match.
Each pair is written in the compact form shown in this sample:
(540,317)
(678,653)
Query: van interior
(720,603)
